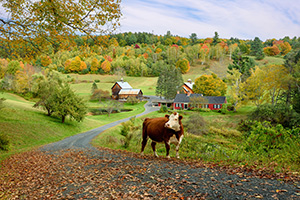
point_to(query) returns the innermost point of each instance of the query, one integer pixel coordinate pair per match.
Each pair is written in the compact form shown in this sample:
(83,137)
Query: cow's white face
(173,122)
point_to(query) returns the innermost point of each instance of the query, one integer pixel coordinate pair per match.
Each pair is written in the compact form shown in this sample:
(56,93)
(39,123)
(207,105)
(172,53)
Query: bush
(278,114)
(4,142)
(132,100)
(263,137)
(127,130)
(196,125)
(163,109)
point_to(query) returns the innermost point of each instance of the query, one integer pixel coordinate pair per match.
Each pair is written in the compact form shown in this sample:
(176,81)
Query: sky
(243,19)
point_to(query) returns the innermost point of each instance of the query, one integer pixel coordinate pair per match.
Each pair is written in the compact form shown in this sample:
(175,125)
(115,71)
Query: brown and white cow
(163,130)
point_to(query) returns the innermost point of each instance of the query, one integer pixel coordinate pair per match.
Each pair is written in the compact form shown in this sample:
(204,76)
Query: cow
(163,130)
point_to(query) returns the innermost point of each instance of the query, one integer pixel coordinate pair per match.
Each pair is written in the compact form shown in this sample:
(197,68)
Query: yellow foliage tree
(94,65)
(183,65)
(76,65)
(106,66)
(210,85)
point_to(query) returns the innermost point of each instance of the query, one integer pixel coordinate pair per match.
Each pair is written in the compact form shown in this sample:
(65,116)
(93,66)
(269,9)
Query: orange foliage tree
(106,66)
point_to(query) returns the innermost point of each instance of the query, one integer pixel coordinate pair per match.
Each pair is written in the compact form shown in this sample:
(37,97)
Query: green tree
(68,104)
(257,49)
(193,38)
(210,85)
(216,39)
(242,63)
(57,98)
(94,87)
(169,82)
(292,64)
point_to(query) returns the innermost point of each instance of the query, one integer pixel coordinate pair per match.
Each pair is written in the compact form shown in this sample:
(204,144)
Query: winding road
(73,169)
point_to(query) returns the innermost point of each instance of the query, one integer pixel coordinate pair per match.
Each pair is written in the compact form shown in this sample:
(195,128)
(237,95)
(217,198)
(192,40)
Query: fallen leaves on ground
(112,174)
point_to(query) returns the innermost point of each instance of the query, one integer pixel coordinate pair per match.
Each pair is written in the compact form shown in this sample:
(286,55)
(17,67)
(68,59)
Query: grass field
(28,127)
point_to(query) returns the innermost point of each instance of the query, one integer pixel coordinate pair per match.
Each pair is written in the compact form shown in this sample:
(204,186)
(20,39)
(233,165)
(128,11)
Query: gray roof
(184,98)
(124,85)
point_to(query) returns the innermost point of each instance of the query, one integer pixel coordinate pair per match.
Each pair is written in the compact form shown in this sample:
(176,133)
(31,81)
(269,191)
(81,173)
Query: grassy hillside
(27,127)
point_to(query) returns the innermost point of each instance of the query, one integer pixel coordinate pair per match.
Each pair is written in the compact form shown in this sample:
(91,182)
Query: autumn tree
(254,89)
(183,65)
(106,66)
(234,80)
(49,22)
(210,85)
(94,65)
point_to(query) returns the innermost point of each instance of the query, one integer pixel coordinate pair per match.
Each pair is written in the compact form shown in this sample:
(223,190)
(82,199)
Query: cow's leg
(177,146)
(153,144)
(144,142)
(167,144)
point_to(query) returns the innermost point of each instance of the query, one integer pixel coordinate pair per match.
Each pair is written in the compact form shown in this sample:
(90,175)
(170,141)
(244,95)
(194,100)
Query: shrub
(127,130)
(163,109)
(132,100)
(278,114)
(196,125)
(4,142)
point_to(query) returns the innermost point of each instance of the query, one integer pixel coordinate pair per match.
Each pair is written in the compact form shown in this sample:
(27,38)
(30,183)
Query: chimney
(189,80)
(122,80)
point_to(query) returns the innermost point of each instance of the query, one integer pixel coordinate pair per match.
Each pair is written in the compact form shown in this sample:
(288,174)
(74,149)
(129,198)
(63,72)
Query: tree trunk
(63,119)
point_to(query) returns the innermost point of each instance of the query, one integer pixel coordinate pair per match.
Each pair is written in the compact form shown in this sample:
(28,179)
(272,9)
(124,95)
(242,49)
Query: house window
(217,106)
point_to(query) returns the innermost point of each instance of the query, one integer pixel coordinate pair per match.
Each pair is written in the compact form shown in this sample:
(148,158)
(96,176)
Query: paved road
(82,140)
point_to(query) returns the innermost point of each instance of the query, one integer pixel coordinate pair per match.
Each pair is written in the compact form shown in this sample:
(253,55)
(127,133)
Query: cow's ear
(180,117)
(167,116)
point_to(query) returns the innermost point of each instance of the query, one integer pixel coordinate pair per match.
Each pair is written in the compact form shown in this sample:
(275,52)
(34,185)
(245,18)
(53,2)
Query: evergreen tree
(169,82)
(193,38)
(216,39)
(257,49)
(242,63)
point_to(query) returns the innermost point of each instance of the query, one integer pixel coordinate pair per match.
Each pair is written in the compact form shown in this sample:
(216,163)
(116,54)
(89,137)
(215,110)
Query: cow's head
(173,122)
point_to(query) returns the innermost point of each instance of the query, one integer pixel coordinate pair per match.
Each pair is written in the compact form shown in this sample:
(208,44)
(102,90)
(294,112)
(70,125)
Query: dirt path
(72,169)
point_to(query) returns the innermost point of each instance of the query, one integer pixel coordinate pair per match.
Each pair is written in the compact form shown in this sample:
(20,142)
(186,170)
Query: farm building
(185,101)
(122,90)
(188,87)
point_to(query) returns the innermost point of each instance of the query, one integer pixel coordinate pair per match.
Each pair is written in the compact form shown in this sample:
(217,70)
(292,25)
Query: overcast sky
(243,19)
